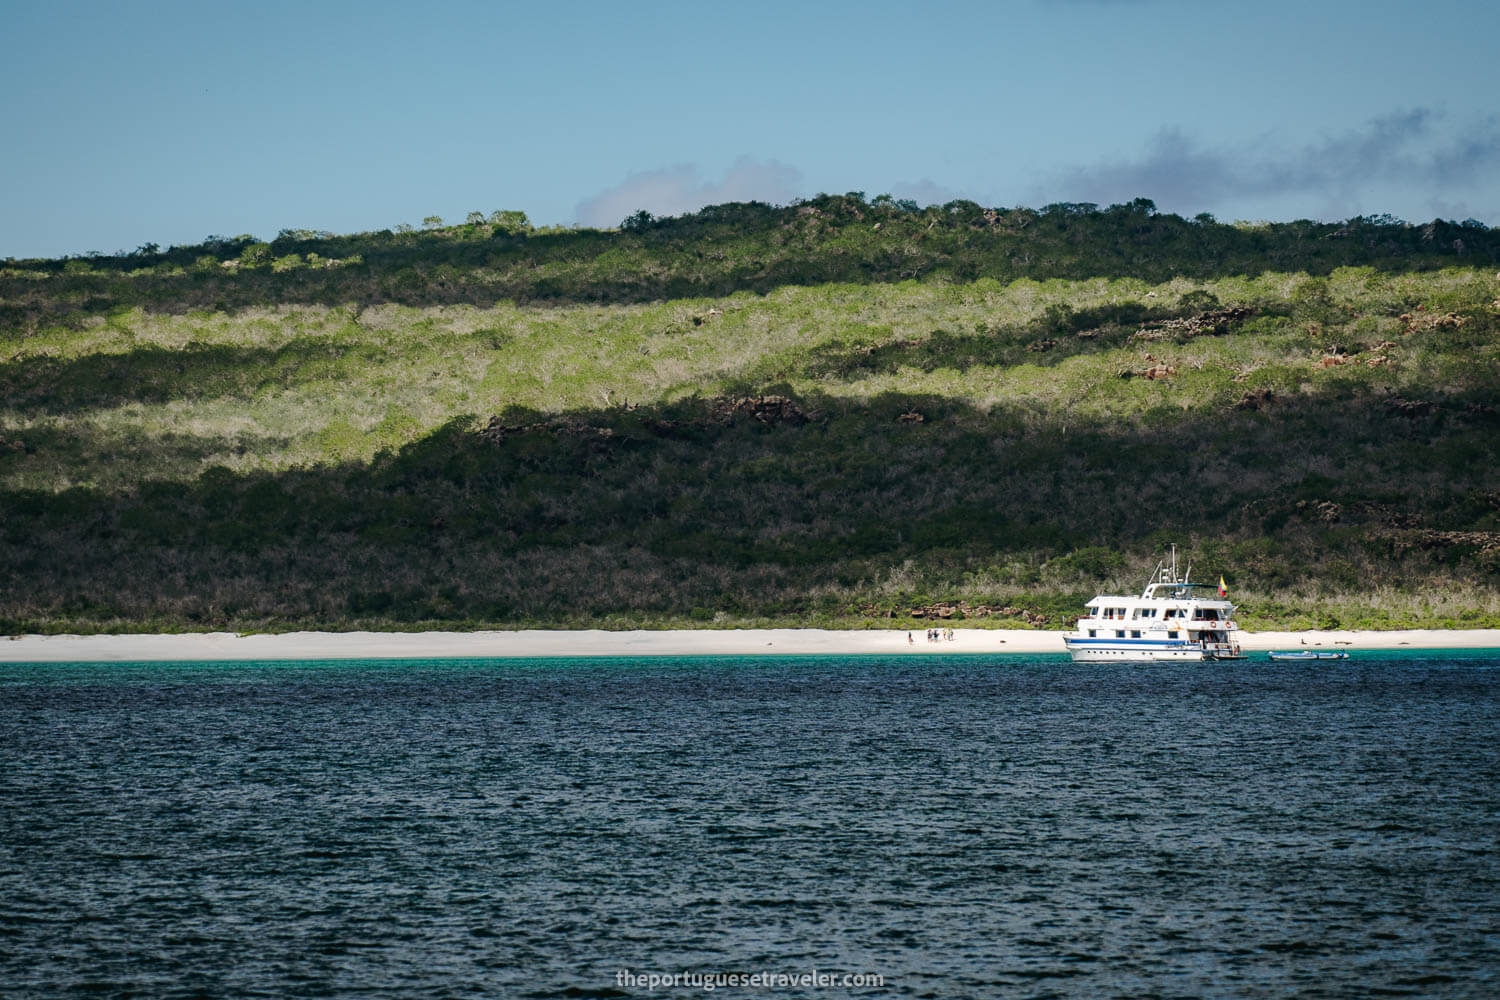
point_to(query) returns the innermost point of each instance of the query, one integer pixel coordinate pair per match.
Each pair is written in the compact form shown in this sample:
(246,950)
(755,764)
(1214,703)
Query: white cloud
(1405,150)
(679,189)
(1457,211)
(927,192)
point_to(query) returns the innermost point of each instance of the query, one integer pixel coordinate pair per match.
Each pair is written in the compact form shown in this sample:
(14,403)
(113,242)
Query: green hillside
(843,412)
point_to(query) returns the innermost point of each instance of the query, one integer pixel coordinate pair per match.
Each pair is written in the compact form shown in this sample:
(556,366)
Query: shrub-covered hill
(838,453)
(718,251)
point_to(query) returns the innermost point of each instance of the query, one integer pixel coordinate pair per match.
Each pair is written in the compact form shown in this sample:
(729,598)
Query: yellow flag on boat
(1223,590)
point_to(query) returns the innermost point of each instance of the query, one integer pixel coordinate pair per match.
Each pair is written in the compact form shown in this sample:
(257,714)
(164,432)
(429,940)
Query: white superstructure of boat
(1168,621)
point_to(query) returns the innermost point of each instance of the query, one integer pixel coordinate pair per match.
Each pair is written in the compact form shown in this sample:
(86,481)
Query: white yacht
(1167,622)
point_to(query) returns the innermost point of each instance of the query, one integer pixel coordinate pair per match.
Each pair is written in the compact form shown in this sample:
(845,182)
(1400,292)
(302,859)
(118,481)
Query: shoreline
(643,643)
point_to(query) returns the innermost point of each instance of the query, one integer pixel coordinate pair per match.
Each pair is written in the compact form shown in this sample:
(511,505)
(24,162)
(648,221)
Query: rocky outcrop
(1325,510)
(762,409)
(952,610)
(1420,319)
(497,430)
(1154,372)
(1409,408)
(1484,541)
(1256,399)
(1212,322)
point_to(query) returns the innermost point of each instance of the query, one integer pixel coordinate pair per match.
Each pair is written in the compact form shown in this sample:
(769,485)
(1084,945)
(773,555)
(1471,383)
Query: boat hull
(1084,650)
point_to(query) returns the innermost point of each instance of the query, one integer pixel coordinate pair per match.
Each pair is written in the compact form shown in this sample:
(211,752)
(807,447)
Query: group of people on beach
(933,635)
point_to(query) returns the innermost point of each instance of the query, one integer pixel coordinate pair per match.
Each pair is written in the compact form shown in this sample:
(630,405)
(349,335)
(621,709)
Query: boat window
(1119,633)
(1093,632)
(1135,633)
(1172,635)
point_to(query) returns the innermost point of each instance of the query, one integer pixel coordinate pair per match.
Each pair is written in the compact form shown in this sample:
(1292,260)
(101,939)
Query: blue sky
(167,122)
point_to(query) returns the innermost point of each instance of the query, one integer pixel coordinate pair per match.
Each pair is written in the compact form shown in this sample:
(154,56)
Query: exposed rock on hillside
(1256,399)
(1484,541)
(1423,320)
(1410,408)
(765,409)
(945,610)
(497,430)
(1325,510)
(1154,372)
(1214,321)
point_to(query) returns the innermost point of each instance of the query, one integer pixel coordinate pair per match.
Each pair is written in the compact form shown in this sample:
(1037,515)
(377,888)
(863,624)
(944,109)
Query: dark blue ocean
(998,826)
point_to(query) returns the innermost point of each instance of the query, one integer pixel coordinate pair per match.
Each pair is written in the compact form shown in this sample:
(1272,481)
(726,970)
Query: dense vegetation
(838,412)
(718,251)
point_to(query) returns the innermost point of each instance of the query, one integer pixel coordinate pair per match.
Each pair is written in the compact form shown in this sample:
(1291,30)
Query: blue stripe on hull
(1128,643)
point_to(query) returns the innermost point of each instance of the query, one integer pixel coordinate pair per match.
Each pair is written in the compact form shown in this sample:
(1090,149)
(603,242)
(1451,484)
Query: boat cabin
(1167,605)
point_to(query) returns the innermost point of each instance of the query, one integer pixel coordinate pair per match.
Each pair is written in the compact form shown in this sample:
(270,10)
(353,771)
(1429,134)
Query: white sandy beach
(702,642)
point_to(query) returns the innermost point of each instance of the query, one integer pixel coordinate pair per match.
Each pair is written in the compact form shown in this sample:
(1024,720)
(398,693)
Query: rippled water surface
(961,827)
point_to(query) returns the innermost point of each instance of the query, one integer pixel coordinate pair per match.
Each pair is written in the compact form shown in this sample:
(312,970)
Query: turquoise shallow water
(960,826)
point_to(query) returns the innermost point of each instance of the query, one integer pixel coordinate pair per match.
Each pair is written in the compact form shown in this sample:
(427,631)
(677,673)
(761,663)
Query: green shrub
(255,255)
